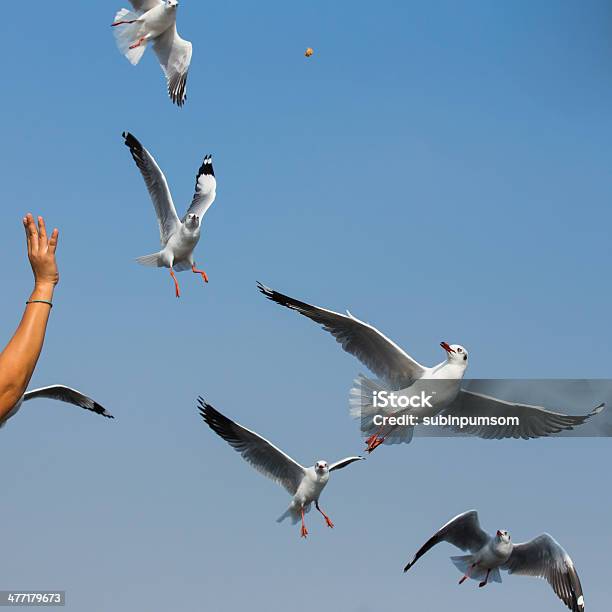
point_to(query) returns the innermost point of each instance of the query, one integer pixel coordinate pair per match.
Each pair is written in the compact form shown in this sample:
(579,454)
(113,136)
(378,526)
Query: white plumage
(402,374)
(542,557)
(178,237)
(305,484)
(155,21)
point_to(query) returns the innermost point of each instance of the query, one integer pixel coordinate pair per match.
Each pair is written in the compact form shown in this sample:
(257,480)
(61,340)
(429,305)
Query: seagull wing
(463,531)
(533,421)
(144,5)
(70,396)
(381,355)
(174,55)
(344,462)
(157,186)
(261,454)
(205,189)
(544,557)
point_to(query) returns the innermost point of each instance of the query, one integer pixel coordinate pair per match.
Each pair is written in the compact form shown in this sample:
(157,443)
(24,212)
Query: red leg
(137,44)
(122,22)
(371,439)
(327,519)
(374,440)
(196,271)
(467,574)
(303,531)
(176,285)
(484,582)
(374,444)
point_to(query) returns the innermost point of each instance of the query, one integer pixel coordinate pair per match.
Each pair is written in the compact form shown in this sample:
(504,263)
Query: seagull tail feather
(152,260)
(292,513)
(464,565)
(128,34)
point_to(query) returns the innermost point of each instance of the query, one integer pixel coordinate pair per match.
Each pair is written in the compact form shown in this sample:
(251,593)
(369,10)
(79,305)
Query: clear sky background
(442,169)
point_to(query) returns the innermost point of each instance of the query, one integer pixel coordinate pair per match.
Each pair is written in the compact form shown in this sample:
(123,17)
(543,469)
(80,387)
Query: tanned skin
(18,359)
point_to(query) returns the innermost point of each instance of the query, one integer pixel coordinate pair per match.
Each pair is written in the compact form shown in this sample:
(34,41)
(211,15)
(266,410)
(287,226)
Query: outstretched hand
(41,251)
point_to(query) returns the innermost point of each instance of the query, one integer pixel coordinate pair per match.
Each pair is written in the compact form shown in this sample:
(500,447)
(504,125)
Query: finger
(42,232)
(27,234)
(32,234)
(53,241)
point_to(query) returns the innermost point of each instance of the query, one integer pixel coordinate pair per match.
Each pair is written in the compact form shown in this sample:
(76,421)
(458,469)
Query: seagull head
(321,467)
(455,353)
(503,536)
(192,221)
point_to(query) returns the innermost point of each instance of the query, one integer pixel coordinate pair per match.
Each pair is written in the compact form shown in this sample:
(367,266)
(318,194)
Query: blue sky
(441,169)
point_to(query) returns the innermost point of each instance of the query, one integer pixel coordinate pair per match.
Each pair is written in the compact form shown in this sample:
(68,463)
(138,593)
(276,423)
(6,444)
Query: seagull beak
(499,533)
(446,347)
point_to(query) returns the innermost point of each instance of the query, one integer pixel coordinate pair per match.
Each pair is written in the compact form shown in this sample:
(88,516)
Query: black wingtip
(407,568)
(98,409)
(269,293)
(131,141)
(208,412)
(206,169)
(203,406)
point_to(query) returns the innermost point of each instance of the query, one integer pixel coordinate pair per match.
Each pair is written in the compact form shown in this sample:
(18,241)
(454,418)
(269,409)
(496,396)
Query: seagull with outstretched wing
(542,557)
(402,375)
(62,394)
(178,237)
(155,21)
(305,484)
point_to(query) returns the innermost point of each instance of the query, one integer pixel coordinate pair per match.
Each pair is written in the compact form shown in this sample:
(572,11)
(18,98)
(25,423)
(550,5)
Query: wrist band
(50,304)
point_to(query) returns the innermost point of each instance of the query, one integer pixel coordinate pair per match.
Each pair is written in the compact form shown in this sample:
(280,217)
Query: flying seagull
(155,21)
(542,557)
(399,372)
(179,237)
(305,484)
(63,394)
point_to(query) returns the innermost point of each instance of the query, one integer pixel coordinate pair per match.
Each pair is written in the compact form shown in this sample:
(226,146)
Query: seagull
(155,20)
(305,484)
(63,394)
(179,237)
(542,557)
(400,372)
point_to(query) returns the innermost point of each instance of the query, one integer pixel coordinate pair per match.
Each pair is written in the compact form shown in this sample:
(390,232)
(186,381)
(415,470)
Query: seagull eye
(460,350)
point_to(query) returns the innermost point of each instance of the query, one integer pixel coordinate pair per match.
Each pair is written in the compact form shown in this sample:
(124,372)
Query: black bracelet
(50,304)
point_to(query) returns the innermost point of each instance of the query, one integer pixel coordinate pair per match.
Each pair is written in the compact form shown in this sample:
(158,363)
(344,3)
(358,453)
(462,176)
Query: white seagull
(401,373)
(542,557)
(305,484)
(179,237)
(63,394)
(155,20)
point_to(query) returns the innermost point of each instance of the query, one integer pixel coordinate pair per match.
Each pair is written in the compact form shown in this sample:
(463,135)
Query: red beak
(499,533)
(446,347)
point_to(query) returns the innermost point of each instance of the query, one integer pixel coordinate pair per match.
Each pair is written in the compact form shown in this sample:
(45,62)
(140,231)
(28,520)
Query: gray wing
(70,396)
(379,354)
(174,55)
(261,454)
(463,531)
(344,462)
(205,189)
(533,421)
(144,5)
(544,557)
(157,186)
